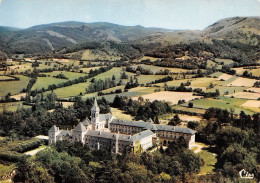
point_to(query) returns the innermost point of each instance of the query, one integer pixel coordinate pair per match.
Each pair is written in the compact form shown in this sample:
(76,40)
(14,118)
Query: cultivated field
(251,103)
(245,95)
(242,82)
(255,90)
(241,70)
(172,97)
(224,77)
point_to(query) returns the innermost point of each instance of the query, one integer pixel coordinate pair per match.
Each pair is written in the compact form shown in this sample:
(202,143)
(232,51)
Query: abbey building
(104,131)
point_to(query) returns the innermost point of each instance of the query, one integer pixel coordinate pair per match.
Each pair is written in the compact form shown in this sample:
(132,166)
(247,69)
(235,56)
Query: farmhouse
(105,132)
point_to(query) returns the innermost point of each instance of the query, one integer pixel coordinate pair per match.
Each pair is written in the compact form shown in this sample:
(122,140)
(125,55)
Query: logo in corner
(245,175)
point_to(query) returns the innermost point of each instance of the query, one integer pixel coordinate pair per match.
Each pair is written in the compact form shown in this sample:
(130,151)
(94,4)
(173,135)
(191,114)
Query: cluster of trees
(181,88)
(165,79)
(100,85)
(132,83)
(200,92)
(142,110)
(235,139)
(7,98)
(76,163)
(109,93)
(61,76)
(140,70)
(257,84)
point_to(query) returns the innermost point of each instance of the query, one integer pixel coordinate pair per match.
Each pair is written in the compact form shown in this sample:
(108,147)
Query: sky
(171,14)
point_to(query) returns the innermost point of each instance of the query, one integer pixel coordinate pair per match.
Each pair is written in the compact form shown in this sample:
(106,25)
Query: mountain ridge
(231,34)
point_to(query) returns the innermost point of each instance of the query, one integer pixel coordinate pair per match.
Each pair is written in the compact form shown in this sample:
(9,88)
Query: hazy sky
(172,14)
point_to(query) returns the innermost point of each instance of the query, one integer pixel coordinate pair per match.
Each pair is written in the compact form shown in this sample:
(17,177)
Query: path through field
(35,151)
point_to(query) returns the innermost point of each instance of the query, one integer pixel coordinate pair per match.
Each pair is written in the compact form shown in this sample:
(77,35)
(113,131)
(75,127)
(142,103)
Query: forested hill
(235,38)
(50,37)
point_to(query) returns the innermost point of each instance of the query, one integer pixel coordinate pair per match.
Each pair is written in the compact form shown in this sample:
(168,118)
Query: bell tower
(95,115)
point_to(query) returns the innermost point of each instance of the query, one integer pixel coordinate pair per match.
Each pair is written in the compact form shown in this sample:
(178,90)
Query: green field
(222,102)
(69,75)
(224,89)
(14,87)
(44,82)
(76,89)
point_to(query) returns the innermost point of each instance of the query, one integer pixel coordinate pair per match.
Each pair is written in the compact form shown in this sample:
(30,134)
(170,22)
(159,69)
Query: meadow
(221,102)
(14,87)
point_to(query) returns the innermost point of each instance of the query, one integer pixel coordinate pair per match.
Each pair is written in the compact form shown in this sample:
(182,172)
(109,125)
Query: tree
(113,77)
(190,105)
(175,120)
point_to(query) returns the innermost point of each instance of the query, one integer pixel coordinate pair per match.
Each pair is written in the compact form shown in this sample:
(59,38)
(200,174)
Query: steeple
(95,106)
(95,114)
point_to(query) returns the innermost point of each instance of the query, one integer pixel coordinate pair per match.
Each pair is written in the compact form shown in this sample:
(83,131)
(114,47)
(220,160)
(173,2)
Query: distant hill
(47,38)
(235,38)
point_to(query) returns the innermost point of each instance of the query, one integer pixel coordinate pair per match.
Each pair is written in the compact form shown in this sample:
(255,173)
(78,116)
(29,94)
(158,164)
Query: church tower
(95,115)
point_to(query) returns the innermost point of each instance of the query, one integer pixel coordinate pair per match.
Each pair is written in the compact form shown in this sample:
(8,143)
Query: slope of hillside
(242,29)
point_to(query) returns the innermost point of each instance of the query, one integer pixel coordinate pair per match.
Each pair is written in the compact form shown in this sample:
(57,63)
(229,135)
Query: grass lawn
(209,161)
(14,87)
